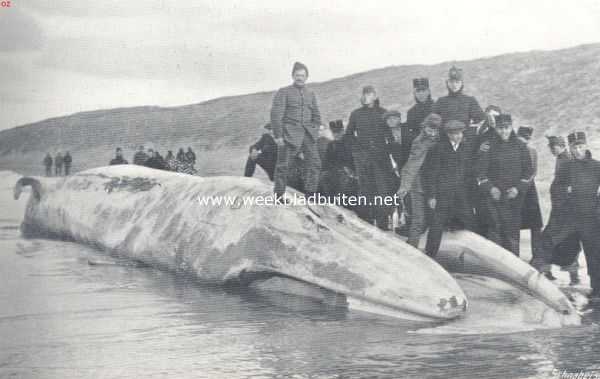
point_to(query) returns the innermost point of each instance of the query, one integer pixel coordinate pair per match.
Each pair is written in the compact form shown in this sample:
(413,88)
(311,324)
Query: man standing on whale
(295,119)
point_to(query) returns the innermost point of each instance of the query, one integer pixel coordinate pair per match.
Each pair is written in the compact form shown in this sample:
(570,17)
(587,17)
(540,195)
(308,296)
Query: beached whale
(158,218)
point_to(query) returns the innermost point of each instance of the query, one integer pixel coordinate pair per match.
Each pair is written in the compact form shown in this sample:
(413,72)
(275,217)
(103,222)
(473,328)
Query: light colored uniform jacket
(294,112)
(411,172)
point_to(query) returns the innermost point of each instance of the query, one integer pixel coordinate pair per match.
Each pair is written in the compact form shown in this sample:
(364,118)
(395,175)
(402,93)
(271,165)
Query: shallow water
(62,317)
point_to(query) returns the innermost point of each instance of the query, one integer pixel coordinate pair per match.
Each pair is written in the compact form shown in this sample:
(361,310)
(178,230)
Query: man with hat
(262,153)
(337,176)
(504,173)
(295,119)
(531,214)
(118,159)
(417,113)
(411,184)
(555,241)
(446,176)
(456,105)
(370,137)
(393,119)
(485,134)
(578,183)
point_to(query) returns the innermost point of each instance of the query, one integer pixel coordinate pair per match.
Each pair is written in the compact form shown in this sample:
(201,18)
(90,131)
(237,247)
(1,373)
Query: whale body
(158,218)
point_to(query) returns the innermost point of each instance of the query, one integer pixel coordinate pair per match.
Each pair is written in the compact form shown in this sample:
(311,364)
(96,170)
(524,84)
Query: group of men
(59,163)
(454,165)
(183,162)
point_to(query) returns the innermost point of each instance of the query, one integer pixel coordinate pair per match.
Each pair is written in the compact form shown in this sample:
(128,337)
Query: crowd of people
(455,165)
(59,162)
(183,162)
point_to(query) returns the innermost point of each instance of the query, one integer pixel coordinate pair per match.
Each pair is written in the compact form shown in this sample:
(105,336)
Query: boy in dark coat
(446,176)
(48,164)
(531,214)
(337,176)
(370,136)
(262,153)
(504,174)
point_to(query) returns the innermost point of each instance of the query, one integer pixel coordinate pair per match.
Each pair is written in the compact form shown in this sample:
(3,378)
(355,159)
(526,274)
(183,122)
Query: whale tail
(35,185)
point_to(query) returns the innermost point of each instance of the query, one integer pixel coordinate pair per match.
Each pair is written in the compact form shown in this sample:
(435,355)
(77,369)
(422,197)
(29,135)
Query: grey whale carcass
(156,217)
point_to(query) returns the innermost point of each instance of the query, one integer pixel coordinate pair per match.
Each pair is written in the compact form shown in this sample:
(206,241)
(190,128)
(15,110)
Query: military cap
(268,126)
(455,73)
(556,140)
(454,126)
(576,138)
(299,66)
(389,114)
(525,132)
(421,83)
(368,89)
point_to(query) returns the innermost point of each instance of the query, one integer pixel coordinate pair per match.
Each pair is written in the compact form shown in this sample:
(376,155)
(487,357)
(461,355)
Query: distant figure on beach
(140,157)
(181,155)
(170,161)
(58,164)
(155,161)
(67,160)
(190,156)
(118,159)
(48,164)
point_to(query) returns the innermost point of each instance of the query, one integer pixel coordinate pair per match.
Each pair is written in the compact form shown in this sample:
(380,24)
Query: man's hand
(569,189)
(349,172)
(402,193)
(512,193)
(495,192)
(279,141)
(432,203)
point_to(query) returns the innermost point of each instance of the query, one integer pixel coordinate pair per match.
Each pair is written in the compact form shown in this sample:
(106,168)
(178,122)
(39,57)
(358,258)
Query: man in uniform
(456,105)
(446,177)
(578,183)
(417,113)
(411,184)
(295,119)
(504,172)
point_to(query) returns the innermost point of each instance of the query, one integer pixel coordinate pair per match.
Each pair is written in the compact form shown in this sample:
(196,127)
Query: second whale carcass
(189,225)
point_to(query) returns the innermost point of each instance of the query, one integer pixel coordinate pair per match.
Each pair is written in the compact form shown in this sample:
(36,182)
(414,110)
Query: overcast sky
(59,57)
